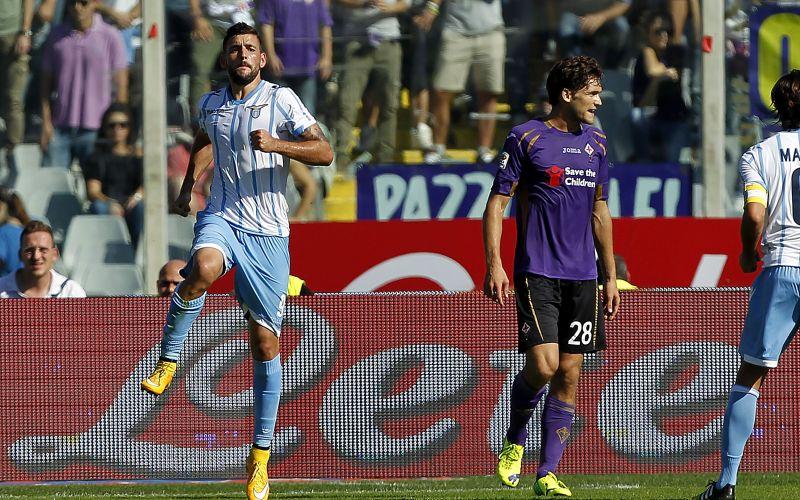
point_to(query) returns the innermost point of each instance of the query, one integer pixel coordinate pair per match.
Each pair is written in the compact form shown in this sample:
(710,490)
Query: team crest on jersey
(503,160)
(563,434)
(255,110)
(589,149)
(526,328)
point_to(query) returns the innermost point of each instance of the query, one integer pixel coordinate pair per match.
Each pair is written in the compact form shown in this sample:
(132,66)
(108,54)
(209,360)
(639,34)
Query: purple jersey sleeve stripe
(599,134)
(602,146)
(531,143)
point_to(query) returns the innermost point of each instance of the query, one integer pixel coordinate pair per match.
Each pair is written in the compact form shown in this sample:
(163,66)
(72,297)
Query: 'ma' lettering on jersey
(789,154)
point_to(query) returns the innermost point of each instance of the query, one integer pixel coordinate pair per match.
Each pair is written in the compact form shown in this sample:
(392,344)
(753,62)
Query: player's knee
(204,273)
(540,373)
(266,350)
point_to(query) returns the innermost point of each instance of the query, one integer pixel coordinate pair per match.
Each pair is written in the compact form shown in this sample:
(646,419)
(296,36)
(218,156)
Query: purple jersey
(554,176)
(297,39)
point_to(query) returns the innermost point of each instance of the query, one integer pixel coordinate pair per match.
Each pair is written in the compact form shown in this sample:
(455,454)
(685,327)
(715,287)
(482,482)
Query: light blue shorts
(262,277)
(773,315)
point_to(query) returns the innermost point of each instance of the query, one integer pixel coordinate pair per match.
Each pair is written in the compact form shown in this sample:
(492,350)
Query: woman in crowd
(114,172)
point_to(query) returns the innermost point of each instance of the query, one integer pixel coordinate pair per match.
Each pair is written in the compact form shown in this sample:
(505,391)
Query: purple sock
(556,427)
(524,399)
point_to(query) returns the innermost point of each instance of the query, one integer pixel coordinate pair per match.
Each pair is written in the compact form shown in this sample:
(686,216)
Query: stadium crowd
(388,77)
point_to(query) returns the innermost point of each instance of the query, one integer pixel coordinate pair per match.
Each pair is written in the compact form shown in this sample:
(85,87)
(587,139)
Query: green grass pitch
(656,486)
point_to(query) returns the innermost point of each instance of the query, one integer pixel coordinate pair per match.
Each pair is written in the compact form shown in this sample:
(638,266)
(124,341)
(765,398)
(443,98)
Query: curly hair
(786,99)
(572,73)
(14,205)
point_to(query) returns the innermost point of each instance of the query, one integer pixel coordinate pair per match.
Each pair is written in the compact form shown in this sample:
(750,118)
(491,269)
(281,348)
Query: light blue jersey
(770,171)
(249,187)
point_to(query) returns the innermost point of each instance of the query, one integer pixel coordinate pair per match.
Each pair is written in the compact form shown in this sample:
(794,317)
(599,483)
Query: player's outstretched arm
(312,148)
(199,159)
(752,227)
(495,284)
(604,242)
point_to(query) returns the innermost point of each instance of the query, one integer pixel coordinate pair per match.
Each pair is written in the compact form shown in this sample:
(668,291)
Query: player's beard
(242,80)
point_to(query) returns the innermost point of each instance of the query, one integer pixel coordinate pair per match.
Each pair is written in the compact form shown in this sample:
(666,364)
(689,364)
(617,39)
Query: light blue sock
(267,395)
(180,317)
(740,417)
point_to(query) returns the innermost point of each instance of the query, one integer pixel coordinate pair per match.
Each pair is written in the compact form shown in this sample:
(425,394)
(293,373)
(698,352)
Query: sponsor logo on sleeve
(503,160)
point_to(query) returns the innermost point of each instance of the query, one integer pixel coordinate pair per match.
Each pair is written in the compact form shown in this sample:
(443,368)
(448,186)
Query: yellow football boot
(509,463)
(159,380)
(549,485)
(257,479)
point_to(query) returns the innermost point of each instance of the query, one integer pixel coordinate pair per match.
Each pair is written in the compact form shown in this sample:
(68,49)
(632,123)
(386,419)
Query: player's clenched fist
(181,204)
(262,141)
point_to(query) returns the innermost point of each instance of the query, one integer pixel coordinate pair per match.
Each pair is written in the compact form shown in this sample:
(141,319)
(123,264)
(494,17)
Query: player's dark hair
(36,226)
(786,99)
(572,73)
(241,29)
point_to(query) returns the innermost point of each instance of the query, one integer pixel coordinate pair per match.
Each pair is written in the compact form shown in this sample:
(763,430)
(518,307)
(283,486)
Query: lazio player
(250,128)
(770,171)
(557,168)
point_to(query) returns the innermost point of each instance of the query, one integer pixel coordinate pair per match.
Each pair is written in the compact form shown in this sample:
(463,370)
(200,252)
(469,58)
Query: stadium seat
(52,180)
(28,157)
(615,118)
(180,230)
(57,207)
(615,114)
(105,280)
(180,234)
(96,239)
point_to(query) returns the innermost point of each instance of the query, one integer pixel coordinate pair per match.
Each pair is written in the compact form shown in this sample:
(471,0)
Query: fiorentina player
(769,171)
(250,128)
(557,168)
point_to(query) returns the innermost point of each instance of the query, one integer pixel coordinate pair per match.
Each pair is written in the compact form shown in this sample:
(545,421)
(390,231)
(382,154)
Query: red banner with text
(383,385)
(448,255)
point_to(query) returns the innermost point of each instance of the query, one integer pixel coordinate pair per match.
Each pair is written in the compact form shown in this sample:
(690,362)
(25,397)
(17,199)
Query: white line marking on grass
(597,486)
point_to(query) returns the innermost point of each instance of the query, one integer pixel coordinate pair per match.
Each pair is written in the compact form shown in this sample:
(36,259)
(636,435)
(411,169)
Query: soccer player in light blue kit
(250,128)
(770,172)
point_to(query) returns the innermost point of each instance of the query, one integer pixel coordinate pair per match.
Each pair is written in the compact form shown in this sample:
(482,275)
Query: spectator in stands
(659,111)
(531,51)
(472,38)
(125,15)
(623,276)
(81,58)
(210,20)
(37,279)
(177,163)
(595,27)
(169,277)
(114,172)
(13,217)
(425,25)
(298,43)
(306,186)
(15,46)
(372,51)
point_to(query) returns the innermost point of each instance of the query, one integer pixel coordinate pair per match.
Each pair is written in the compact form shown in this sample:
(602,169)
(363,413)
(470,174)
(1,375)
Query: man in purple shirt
(81,59)
(557,168)
(298,43)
